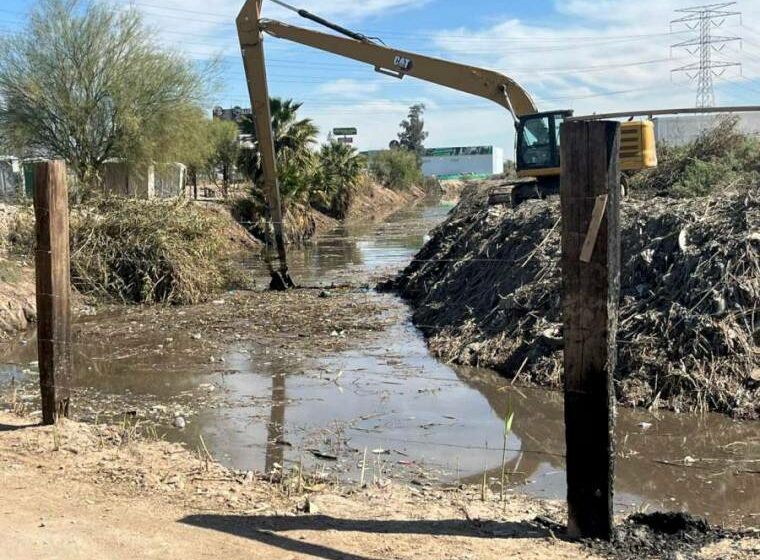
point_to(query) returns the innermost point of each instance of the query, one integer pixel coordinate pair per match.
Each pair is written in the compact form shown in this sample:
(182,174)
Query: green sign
(345,131)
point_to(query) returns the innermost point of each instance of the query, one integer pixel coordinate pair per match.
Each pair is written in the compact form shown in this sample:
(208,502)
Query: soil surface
(375,202)
(79,491)
(17,297)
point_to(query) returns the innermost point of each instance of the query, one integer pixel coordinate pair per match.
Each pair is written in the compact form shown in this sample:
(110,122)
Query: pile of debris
(486,291)
(154,251)
(669,536)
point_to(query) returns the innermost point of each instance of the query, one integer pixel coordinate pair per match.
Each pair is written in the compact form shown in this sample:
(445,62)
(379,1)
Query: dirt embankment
(17,305)
(374,202)
(451,190)
(79,491)
(302,222)
(17,299)
(486,291)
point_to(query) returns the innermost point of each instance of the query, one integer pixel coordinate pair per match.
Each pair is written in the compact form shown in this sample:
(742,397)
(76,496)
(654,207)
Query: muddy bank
(452,189)
(370,202)
(486,291)
(17,297)
(375,202)
(178,341)
(17,300)
(186,503)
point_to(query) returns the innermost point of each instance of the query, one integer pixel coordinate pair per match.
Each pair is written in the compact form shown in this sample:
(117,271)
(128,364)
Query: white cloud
(598,55)
(602,47)
(349,88)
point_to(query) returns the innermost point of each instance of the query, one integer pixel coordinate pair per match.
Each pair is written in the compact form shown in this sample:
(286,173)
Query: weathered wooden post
(51,209)
(590,199)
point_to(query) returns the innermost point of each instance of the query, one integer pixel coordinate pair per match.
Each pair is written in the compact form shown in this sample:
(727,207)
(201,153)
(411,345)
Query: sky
(586,55)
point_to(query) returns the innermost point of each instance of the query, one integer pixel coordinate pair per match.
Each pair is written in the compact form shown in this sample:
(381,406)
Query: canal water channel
(414,418)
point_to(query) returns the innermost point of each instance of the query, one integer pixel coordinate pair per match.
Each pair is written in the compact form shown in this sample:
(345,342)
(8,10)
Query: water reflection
(435,422)
(650,467)
(359,250)
(275,454)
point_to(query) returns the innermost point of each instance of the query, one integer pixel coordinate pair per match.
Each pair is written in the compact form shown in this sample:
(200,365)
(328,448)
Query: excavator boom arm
(252,48)
(469,79)
(461,77)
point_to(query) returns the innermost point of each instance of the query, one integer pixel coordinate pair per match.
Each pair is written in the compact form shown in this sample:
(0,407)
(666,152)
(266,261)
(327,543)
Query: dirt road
(82,492)
(79,491)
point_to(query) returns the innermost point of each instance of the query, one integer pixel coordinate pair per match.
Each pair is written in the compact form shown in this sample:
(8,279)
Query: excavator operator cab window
(538,140)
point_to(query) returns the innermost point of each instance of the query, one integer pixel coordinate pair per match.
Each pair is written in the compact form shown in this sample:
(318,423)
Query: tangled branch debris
(486,290)
(153,251)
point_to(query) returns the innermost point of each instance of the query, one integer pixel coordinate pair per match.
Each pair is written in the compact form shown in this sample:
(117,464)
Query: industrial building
(476,161)
(682,129)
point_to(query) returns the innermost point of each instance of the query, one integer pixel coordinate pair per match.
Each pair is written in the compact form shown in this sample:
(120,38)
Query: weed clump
(140,251)
(396,169)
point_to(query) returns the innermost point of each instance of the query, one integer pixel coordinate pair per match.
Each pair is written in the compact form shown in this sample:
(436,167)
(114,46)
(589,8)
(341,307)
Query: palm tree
(339,172)
(293,141)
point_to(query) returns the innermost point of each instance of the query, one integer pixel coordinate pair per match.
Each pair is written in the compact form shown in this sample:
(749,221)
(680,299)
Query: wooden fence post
(51,209)
(590,199)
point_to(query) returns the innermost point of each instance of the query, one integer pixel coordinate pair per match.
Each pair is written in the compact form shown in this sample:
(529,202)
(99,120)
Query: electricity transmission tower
(702,20)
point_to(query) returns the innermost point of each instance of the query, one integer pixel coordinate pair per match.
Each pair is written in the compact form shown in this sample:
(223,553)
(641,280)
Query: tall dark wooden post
(590,195)
(51,209)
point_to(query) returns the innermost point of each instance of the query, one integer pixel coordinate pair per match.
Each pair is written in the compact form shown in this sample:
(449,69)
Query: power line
(702,20)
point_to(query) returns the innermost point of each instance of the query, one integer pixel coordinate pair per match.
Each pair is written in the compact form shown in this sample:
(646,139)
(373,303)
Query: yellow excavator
(537,144)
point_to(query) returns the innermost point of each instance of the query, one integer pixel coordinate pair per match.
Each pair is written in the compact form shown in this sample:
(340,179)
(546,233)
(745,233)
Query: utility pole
(702,20)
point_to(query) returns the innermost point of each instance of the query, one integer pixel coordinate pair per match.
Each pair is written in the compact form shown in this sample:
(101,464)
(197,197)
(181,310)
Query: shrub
(17,235)
(396,169)
(338,174)
(720,157)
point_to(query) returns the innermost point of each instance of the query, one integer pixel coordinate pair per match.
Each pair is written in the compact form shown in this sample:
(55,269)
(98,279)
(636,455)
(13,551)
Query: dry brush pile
(146,251)
(153,251)
(486,291)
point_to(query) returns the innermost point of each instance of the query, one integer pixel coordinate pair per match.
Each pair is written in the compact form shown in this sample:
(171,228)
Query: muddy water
(417,419)
(359,251)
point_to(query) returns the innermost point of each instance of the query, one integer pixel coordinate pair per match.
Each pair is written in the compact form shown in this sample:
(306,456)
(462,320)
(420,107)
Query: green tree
(293,142)
(86,82)
(413,135)
(396,169)
(339,171)
(224,140)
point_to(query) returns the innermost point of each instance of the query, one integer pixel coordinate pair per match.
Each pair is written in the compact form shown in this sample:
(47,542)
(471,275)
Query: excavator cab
(538,144)
(538,149)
